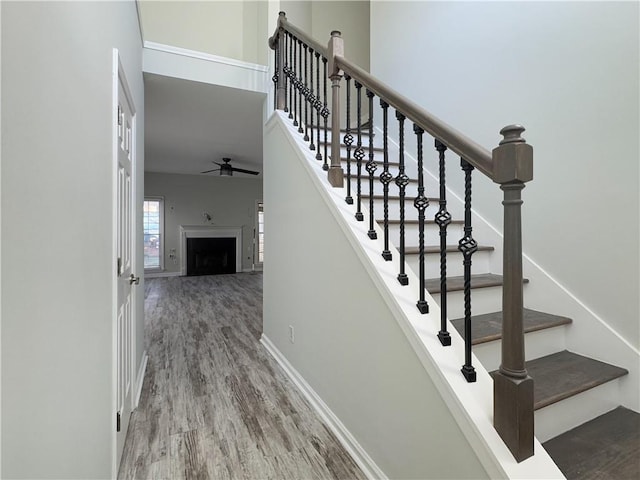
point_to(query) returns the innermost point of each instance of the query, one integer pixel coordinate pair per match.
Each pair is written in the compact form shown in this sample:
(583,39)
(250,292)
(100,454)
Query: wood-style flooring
(214,404)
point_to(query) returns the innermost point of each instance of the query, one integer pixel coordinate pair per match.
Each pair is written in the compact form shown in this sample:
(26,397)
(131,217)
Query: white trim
(208,231)
(208,57)
(344,436)
(158,274)
(140,379)
(140,29)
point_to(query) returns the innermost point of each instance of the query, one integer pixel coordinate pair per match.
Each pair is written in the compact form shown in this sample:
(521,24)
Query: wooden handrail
(284,24)
(473,153)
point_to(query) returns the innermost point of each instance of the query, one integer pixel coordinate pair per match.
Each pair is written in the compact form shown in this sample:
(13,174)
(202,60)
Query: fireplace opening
(211,256)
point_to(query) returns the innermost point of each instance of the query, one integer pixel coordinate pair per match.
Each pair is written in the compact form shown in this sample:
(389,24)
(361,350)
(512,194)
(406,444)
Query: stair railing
(510,165)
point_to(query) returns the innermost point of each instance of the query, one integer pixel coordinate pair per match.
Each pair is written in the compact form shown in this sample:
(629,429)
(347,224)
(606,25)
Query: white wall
(348,345)
(57,411)
(568,71)
(233,29)
(231,202)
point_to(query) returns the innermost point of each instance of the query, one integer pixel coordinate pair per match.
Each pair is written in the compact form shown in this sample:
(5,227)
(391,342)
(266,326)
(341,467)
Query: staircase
(568,387)
(575,397)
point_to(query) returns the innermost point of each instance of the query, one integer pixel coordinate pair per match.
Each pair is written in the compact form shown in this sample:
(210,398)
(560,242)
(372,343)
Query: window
(260,234)
(152,218)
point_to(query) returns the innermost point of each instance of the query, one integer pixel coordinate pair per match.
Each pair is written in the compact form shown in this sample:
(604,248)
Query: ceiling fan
(227,170)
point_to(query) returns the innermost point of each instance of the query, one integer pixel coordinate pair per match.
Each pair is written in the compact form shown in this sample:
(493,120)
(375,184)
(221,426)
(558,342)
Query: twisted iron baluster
(275,73)
(285,70)
(290,74)
(300,87)
(318,105)
(443,219)
(325,114)
(421,203)
(371,167)
(385,178)
(311,100)
(294,80)
(305,94)
(348,140)
(401,181)
(359,153)
(468,246)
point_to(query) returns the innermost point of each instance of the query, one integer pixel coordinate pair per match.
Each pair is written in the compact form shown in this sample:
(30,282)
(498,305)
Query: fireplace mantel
(209,231)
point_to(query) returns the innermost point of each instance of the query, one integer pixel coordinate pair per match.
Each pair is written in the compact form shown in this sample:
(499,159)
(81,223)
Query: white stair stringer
(469,403)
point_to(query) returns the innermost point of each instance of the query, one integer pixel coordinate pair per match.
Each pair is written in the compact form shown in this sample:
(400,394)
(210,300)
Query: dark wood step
(565,374)
(606,447)
(454,284)
(430,249)
(415,222)
(407,199)
(488,327)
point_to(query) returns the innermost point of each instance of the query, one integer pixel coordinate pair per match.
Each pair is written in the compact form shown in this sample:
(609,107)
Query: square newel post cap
(513,157)
(335,48)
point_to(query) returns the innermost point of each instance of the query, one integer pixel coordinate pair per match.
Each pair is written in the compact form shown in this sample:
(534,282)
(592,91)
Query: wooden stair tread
(606,447)
(415,222)
(482,280)
(488,327)
(564,374)
(436,249)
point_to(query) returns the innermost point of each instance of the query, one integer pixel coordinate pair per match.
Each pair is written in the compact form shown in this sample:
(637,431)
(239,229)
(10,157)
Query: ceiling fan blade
(242,170)
(217,163)
(209,171)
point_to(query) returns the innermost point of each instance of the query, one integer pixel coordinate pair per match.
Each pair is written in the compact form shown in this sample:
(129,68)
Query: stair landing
(607,447)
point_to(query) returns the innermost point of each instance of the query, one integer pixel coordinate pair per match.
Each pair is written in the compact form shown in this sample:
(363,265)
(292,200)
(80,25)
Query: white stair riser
(483,300)
(454,263)
(537,344)
(431,234)
(562,416)
(410,212)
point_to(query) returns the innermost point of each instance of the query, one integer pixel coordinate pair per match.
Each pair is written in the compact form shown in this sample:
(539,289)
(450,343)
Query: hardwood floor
(214,403)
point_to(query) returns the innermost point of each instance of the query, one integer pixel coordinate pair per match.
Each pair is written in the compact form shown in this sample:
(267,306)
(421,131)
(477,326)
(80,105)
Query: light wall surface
(57,209)
(231,202)
(233,29)
(348,345)
(567,71)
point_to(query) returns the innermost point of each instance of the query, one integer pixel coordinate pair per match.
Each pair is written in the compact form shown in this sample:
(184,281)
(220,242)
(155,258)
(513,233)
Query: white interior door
(126,279)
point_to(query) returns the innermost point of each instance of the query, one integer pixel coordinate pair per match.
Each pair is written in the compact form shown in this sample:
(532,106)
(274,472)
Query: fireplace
(210,250)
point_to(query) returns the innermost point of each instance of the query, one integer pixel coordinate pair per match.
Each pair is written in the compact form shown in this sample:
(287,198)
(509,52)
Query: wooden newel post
(335,49)
(281,101)
(513,387)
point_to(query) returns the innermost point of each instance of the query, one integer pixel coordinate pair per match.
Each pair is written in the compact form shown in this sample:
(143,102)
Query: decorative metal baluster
(294,81)
(290,74)
(325,115)
(401,181)
(276,64)
(300,87)
(468,246)
(285,69)
(421,203)
(305,94)
(443,219)
(318,105)
(385,178)
(359,153)
(311,100)
(348,140)
(371,168)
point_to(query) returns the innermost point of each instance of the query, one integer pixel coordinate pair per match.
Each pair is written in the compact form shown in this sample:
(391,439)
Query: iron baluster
(300,87)
(294,80)
(468,246)
(385,178)
(443,219)
(401,181)
(311,99)
(276,63)
(371,168)
(348,140)
(285,69)
(421,203)
(318,105)
(325,113)
(305,94)
(359,153)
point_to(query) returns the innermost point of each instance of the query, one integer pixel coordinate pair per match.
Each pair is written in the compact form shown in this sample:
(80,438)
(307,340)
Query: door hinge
(119,116)
(119,266)
(117,421)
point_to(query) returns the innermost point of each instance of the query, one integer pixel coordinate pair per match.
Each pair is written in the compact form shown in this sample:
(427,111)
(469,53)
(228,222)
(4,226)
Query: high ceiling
(188,125)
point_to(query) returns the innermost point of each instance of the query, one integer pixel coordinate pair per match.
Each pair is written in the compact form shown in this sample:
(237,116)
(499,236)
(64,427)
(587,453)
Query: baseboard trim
(348,441)
(140,378)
